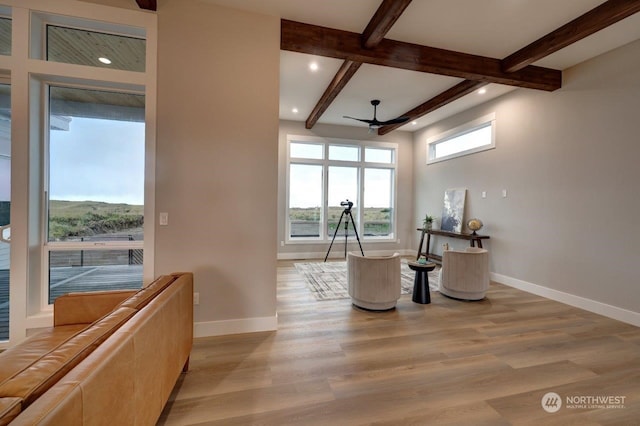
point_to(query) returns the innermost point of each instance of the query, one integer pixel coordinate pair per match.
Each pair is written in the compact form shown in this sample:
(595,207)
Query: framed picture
(453,209)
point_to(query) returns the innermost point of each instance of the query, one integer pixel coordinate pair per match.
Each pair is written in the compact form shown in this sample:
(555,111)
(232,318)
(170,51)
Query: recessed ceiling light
(104,60)
(414,122)
(482,91)
(313,66)
(294,110)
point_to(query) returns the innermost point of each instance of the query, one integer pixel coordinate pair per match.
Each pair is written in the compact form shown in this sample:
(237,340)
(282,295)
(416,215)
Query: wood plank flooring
(449,362)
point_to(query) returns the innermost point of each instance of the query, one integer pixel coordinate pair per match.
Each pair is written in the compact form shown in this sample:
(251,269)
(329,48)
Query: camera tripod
(346,214)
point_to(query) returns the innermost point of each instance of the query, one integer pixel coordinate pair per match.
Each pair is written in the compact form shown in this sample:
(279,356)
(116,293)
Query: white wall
(217,170)
(569,161)
(405,222)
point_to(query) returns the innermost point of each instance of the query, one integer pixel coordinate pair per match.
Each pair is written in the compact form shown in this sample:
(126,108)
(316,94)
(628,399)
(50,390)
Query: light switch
(504,193)
(164,219)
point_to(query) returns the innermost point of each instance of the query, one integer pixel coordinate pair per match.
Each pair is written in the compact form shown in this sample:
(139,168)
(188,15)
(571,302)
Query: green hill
(88,218)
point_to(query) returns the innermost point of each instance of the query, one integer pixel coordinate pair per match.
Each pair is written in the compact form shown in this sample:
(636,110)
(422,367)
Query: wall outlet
(196,298)
(484,194)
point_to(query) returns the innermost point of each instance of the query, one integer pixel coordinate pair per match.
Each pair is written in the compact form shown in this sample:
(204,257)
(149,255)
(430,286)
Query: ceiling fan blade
(398,120)
(359,119)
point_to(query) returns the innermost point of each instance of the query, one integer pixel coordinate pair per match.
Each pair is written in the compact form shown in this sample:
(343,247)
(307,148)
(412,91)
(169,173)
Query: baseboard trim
(590,305)
(235,326)
(340,254)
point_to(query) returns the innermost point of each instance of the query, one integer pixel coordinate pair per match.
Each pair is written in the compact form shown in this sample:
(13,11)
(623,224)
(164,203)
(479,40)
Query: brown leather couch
(111,358)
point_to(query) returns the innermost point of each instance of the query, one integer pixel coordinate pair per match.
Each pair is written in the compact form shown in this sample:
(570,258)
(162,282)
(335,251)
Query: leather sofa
(111,358)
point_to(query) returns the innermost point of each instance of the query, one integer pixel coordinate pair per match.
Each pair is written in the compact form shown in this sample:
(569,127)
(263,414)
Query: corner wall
(406,226)
(569,162)
(217,169)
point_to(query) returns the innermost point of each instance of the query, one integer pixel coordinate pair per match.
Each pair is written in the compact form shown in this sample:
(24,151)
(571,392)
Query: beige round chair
(465,274)
(374,281)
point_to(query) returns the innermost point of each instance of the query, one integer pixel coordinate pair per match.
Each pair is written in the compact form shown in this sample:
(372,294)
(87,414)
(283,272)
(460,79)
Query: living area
(556,195)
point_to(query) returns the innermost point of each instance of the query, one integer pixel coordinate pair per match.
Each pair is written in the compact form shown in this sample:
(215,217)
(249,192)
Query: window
(95,49)
(322,174)
(305,200)
(5,35)
(71,106)
(472,137)
(95,190)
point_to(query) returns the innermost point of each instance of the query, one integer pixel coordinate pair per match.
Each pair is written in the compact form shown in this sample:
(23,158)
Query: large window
(475,136)
(322,174)
(96,190)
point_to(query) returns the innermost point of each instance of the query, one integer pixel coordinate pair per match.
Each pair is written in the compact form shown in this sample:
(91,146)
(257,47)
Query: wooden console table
(473,239)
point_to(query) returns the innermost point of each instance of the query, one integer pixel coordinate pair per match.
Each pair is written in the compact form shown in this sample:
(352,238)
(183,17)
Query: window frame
(488,120)
(47,246)
(361,166)
(26,70)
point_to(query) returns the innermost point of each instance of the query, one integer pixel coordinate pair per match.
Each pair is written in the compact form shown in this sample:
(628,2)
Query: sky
(98,160)
(305,186)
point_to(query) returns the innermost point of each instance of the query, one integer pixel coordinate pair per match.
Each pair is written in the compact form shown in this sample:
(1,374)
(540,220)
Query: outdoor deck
(75,279)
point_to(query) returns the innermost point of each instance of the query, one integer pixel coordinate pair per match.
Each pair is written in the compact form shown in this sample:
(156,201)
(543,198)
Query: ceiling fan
(375,124)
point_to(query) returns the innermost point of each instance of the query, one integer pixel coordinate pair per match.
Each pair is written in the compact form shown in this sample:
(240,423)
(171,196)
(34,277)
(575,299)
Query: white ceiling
(494,28)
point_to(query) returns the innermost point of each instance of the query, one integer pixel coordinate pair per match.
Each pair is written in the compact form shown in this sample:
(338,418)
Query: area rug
(328,280)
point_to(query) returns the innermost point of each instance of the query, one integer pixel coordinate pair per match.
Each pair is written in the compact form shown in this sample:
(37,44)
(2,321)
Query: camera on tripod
(346,215)
(347,203)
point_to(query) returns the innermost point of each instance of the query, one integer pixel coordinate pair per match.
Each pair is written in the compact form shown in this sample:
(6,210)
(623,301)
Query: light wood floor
(450,362)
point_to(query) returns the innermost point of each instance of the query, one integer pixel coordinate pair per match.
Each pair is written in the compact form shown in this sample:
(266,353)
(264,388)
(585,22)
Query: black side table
(421,282)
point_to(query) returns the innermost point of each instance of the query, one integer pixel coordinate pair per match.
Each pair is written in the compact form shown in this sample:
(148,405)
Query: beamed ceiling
(426,58)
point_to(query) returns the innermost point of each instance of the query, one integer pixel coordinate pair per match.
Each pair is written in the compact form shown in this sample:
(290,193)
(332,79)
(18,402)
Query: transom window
(322,174)
(475,136)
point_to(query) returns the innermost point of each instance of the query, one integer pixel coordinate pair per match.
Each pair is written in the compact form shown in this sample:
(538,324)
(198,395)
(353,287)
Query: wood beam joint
(387,14)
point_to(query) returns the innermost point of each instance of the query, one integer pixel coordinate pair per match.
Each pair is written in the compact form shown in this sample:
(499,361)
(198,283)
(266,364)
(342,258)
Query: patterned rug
(328,280)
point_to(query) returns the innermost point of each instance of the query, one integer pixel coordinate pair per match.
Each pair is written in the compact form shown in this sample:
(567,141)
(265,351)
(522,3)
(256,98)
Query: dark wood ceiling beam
(456,92)
(316,40)
(387,14)
(342,77)
(148,4)
(608,13)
